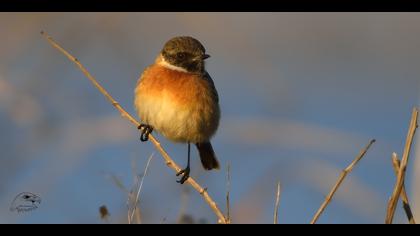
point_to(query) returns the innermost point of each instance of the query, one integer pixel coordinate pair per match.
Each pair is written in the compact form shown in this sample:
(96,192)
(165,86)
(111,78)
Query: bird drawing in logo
(25,201)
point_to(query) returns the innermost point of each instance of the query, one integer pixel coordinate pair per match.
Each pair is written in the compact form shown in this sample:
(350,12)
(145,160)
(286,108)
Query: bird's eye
(26,197)
(180,55)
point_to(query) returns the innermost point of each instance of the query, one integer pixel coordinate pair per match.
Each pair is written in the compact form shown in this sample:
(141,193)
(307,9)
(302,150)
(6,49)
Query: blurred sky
(301,94)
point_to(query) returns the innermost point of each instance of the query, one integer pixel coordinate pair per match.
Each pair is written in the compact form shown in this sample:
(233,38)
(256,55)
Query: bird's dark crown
(185,52)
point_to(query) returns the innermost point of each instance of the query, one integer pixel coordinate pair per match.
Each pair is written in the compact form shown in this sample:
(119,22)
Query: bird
(176,97)
(25,201)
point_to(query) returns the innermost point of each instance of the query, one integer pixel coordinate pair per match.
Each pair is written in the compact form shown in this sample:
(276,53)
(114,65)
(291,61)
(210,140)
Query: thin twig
(276,207)
(228,194)
(139,190)
(136,181)
(168,160)
(392,205)
(131,197)
(343,175)
(404,197)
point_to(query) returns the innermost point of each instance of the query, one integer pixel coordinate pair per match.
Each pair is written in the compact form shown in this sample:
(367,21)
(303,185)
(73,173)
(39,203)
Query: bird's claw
(145,131)
(185,175)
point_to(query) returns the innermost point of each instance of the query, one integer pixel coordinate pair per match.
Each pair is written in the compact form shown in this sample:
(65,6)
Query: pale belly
(193,121)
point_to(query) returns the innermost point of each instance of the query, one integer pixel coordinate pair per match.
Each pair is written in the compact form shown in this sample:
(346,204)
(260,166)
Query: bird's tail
(207,156)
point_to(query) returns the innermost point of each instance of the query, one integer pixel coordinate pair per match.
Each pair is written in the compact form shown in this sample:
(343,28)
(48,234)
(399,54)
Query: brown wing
(213,88)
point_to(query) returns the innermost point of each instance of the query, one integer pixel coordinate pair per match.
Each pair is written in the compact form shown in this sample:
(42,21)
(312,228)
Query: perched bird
(177,97)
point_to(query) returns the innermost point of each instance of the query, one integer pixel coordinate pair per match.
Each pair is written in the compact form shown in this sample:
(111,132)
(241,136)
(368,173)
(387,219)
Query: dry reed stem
(168,160)
(136,180)
(136,202)
(340,180)
(228,194)
(276,207)
(404,197)
(392,204)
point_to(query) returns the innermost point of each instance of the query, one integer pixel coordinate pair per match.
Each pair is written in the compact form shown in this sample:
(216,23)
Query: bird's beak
(37,200)
(201,57)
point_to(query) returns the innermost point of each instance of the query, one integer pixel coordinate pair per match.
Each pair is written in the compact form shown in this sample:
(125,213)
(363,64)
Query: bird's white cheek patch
(166,64)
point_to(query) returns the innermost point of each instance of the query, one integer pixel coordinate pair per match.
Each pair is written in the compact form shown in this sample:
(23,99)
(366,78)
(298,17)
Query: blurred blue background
(301,94)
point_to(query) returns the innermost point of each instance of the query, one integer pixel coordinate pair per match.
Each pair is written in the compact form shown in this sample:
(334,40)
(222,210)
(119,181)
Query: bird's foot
(185,175)
(145,131)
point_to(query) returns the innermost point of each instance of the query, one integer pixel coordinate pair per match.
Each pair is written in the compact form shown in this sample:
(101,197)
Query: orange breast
(185,89)
(182,106)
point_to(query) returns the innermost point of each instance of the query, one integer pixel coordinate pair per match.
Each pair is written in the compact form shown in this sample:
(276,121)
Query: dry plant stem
(135,210)
(340,180)
(138,215)
(130,195)
(228,194)
(276,208)
(392,205)
(404,197)
(168,160)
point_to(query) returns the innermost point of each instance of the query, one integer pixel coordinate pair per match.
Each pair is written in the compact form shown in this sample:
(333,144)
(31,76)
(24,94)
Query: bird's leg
(185,172)
(145,131)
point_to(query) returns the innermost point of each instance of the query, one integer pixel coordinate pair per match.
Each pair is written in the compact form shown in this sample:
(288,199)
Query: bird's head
(25,202)
(185,53)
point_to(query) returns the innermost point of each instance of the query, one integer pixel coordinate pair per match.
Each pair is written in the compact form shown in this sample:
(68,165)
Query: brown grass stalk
(392,204)
(168,160)
(136,210)
(340,180)
(228,194)
(404,197)
(276,207)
